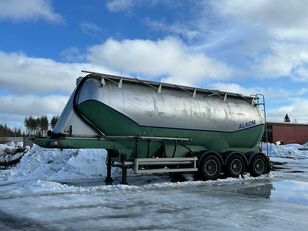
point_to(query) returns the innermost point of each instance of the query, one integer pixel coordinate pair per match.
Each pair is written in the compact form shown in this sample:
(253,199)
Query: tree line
(5,131)
(35,126)
(39,126)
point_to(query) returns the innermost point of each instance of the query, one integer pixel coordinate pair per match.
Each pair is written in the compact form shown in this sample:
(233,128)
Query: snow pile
(287,151)
(12,151)
(10,145)
(54,164)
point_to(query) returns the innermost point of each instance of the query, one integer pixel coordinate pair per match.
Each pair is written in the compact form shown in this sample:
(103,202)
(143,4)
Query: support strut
(108,179)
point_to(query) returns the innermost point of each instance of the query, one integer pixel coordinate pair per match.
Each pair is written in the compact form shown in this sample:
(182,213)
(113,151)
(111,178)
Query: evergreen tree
(5,131)
(37,126)
(44,125)
(53,121)
(31,125)
(26,124)
(286,119)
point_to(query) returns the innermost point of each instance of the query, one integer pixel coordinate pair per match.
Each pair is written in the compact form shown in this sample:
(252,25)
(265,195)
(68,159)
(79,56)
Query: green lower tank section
(113,123)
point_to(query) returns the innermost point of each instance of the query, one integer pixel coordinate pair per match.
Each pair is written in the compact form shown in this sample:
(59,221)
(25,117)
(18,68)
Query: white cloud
(14,108)
(267,38)
(32,104)
(120,5)
(297,111)
(278,17)
(284,23)
(27,78)
(72,54)
(176,28)
(22,74)
(90,28)
(127,5)
(20,10)
(167,57)
(284,60)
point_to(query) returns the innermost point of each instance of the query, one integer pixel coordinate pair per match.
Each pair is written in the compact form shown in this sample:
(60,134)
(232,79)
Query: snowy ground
(64,190)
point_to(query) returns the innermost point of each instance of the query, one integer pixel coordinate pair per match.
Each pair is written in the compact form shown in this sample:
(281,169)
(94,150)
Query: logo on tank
(247,124)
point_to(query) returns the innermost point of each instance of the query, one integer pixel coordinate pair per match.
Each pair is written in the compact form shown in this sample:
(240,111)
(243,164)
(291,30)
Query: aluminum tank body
(212,120)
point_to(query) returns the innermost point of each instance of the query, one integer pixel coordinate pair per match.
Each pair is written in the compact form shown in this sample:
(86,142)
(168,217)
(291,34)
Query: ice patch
(42,186)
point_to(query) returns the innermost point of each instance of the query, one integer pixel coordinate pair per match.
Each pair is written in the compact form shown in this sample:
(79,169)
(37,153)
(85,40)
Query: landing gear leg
(108,179)
(124,170)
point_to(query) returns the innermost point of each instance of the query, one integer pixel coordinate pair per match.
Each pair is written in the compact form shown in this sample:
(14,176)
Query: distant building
(287,133)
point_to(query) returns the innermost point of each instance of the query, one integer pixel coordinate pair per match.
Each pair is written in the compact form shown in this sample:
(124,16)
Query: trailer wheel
(258,165)
(210,167)
(235,165)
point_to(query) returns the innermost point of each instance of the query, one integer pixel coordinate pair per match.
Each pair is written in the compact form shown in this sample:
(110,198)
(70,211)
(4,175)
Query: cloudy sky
(256,46)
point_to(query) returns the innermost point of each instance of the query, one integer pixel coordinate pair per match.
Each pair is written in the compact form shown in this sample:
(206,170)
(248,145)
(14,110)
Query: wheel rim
(211,167)
(236,166)
(259,166)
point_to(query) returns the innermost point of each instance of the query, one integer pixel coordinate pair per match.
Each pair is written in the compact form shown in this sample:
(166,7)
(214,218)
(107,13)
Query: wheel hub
(211,167)
(236,166)
(259,166)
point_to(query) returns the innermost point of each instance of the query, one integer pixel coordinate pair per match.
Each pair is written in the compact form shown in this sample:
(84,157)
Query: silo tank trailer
(155,127)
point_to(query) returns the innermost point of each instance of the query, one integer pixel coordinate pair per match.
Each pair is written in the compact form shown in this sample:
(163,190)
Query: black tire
(235,165)
(210,167)
(258,165)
